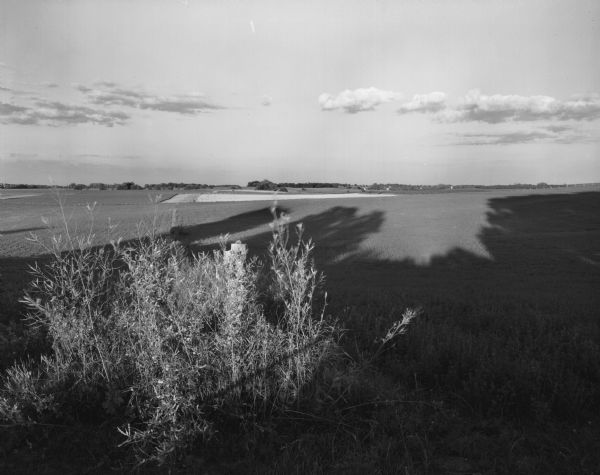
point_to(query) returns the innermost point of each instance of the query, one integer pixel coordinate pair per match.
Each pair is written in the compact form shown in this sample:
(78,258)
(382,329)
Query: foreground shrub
(168,345)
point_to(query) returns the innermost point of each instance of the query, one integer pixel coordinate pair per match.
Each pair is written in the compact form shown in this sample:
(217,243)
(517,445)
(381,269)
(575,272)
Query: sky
(229,91)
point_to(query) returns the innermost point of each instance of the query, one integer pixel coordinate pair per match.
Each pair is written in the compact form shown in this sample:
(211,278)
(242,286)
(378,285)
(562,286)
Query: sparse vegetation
(171,344)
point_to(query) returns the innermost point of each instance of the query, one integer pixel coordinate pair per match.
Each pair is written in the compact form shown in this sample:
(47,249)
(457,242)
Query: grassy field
(500,373)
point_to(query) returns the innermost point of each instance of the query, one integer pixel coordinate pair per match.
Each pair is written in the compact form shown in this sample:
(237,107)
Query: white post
(237,253)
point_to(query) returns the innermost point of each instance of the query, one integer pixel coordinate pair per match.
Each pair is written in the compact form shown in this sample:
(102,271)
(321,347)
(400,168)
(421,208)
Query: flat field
(503,364)
(262,196)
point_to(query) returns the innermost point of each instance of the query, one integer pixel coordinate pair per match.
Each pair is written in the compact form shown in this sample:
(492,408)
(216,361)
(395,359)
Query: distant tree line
(127,185)
(264,185)
(269,185)
(130,185)
(187,186)
(22,186)
(404,187)
(311,184)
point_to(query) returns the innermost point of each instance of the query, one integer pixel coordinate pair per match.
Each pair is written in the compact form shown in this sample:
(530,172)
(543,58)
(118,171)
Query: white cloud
(554,133)
(357,100)
(507,138)
(57,113)
(432,102)
(504,108)
(109,94)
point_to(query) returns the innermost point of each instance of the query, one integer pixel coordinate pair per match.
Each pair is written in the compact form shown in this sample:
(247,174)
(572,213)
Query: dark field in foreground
(499,374)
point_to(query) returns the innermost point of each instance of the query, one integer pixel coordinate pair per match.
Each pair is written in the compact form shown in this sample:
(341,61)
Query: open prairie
(541,246)
(502,366)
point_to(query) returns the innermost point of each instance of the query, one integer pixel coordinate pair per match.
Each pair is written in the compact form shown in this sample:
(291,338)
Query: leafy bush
(169,344)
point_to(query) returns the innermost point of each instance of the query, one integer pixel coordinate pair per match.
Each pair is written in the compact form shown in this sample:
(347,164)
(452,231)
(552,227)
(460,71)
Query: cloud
(504,139)
(115,97)
(105,84)
(358,100)
(99,156)
(72,159)
(82,88)
(10,109)
(185,104)
(108,94)
(13,92)
(49,85)
(20,155)
(56,113)
(507,108)
(104,106)
(558,128)
(432,102)
(547,134)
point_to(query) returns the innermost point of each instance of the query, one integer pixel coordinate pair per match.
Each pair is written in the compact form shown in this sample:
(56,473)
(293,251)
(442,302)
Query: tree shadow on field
(14,278)
(233,225)
(337,232)
(21,230)
(544,250)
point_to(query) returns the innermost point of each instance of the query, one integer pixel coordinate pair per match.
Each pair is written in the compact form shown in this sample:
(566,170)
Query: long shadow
(543,250)
(21,230)
(15,271)
(232,225)
(337,232)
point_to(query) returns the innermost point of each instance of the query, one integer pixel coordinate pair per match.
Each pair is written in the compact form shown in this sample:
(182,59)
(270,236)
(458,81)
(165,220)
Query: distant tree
(266,185)
(128,185)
